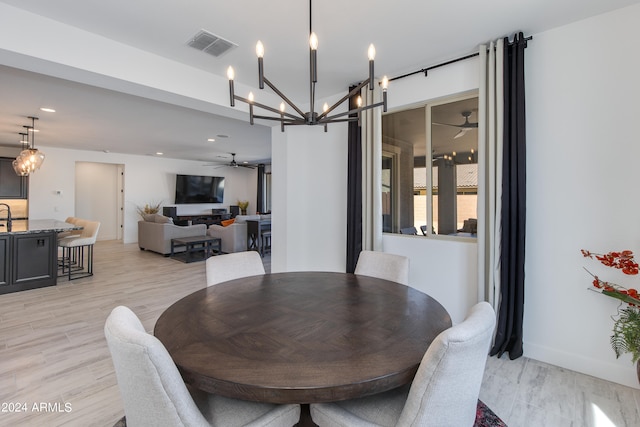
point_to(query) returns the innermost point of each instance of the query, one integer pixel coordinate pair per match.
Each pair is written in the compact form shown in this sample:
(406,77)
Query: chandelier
(30,158)
(310,117)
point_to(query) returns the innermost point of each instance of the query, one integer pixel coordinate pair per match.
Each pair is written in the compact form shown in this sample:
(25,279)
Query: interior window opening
(430,169)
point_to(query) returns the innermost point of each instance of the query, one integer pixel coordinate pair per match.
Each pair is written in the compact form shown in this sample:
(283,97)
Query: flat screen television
(199,189)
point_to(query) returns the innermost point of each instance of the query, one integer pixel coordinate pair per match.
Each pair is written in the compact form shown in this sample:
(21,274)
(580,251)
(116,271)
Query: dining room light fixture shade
(18,166)
(30,159)
(311,117)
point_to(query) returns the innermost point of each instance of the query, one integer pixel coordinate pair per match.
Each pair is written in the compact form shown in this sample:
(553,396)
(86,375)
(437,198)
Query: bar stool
(265,244)
(66,234)
(73,247)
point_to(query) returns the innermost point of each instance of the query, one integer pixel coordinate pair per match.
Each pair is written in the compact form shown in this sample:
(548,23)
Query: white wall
(445,269)
(147,179)
(309,178)
(582,157)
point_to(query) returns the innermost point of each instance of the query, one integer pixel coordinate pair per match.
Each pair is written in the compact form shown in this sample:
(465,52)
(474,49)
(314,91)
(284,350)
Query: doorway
(99,196)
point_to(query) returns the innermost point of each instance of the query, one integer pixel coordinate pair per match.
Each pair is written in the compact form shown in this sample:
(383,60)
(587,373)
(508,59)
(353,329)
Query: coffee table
(301,337)
(195,244)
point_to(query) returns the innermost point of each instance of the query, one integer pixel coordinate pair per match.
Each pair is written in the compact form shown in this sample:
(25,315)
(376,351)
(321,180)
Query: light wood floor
(53,352)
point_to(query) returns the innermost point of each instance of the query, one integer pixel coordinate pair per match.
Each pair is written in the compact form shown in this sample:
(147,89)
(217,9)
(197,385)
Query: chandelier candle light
(311,117)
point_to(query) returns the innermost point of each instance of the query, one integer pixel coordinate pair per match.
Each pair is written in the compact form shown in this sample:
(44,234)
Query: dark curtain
(510,314)
(260,207)
(354,192)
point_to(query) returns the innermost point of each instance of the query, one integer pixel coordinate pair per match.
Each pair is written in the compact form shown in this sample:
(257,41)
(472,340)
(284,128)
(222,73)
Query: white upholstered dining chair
(384,266)
(155,395)
(444,391)
(221,268)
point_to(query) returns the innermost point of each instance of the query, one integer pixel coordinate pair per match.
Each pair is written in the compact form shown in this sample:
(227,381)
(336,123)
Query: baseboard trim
(621,374)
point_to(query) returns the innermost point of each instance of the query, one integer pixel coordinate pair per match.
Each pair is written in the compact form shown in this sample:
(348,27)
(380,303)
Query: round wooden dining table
(301,337)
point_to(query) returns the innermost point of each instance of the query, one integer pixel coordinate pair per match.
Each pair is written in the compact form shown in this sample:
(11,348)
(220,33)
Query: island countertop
(35,226)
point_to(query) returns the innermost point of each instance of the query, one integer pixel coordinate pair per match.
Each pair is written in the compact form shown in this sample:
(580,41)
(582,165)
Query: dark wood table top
(301,337)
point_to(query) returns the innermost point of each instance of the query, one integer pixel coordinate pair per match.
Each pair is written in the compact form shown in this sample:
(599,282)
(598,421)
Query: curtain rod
(426,70)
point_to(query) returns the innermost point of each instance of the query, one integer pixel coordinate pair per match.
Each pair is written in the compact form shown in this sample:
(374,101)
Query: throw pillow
(227,222)
(149,217)
(161,219)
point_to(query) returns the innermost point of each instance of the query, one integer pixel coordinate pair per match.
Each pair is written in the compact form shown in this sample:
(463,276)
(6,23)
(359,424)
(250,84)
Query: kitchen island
(29,253)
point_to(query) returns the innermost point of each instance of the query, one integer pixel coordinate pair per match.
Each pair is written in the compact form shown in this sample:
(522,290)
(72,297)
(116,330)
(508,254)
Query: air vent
(210,43)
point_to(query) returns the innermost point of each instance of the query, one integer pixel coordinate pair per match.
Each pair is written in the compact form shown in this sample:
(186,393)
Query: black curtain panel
(260,207)
(354,191)
(510,314)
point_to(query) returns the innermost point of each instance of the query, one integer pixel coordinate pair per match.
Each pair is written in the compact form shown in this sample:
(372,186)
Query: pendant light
(31,158)
(18,165)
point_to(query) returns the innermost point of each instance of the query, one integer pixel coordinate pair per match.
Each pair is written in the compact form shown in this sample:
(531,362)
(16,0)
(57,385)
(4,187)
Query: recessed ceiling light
(159,153)
(47,110)
(211,140)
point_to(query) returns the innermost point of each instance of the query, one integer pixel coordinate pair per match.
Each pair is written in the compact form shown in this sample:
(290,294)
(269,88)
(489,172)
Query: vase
(243,211)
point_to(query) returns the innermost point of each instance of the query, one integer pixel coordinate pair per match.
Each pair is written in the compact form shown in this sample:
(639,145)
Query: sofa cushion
(227,222)
(157,237)
(234,236)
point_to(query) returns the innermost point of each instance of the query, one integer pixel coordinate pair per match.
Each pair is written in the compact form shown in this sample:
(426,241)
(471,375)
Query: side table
(193,244)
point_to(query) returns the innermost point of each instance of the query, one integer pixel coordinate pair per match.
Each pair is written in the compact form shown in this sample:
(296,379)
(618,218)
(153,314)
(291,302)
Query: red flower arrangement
(622,261)
(626,326)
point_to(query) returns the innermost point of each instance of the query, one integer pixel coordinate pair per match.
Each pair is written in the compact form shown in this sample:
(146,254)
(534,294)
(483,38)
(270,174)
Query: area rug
(485,417)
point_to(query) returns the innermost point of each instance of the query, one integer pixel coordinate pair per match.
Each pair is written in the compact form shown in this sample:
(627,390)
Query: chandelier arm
(296,121)
(284,98)
(265,107)
(349,119)
(354,111)
(344,98)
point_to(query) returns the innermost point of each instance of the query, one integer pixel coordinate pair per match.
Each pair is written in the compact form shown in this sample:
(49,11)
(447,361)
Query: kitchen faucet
(8,209)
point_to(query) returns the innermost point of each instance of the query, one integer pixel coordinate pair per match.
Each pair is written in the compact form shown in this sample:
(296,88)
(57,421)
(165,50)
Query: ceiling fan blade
(466,125)
(447,124)
(461,133)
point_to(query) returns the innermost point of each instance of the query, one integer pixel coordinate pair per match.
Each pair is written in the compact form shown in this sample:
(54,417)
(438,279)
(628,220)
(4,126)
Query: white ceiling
(408,36)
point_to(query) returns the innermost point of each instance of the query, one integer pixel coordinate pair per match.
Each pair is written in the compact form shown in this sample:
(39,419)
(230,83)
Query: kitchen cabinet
(29,254)
(4,261)
(27,261)
(12,186)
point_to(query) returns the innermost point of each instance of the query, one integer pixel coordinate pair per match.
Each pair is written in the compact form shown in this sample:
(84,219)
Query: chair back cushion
(91,229)
(384,266)
(221,268)
(151,387)
(445,389)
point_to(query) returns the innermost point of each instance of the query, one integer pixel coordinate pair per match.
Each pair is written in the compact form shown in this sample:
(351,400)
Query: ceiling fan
(234,164)
(464,127)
